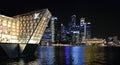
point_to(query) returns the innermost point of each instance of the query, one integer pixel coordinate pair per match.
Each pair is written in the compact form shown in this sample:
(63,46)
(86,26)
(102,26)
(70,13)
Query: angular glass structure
(9,29)
(24,28)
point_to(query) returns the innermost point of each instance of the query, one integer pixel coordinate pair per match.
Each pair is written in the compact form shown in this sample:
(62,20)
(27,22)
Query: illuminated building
(57,32)
(53,28)
(63,33)
(78,31)
(24,28)
(47,36)
(50,32)
(85,29)
(74,30)
(60,32)
(9,29)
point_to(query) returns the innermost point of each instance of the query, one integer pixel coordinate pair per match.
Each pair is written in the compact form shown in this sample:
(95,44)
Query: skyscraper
(85,31)
(74,30)
(78,31)
(53,28)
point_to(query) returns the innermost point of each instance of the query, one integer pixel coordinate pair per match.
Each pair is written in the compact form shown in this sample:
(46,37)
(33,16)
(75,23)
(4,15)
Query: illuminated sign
(36,15)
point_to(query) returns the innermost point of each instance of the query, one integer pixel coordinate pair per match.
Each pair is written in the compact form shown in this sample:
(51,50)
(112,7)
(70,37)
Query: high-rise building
(47,36)
(74,30)
(57,32)
(52,32)
(78,31)
(63,33)
(53,28)
(24,28)
(85,30)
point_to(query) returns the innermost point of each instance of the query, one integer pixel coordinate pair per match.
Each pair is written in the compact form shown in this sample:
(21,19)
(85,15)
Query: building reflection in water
(67,54)
(78,56)
(46,55)
(95,55)
(71,55)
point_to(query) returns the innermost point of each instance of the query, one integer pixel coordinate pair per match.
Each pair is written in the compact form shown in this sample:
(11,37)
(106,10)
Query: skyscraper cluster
(78,30)
(75,32)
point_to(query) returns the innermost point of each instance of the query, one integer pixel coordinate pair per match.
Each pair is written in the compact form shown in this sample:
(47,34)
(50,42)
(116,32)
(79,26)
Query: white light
(81,25)
(76,32)
(88,23)
(36,15)
(54,18)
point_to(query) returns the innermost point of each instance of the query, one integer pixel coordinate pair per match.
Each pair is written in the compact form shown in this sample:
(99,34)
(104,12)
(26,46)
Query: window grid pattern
(32,25)
(24,28)
(9,30)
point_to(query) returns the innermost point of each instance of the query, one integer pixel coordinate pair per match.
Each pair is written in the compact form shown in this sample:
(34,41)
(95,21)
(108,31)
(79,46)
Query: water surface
(70,55)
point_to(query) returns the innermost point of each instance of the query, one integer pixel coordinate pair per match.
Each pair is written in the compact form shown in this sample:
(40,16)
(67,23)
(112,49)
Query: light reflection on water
(78,55)
(46,55)
(71,55)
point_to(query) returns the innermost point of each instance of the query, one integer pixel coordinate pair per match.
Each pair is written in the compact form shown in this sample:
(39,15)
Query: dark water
(70,55)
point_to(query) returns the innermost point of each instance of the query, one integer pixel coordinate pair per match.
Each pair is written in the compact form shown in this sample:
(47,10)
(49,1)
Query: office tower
(85,31)
(53,28)
(74,30)
(78,31)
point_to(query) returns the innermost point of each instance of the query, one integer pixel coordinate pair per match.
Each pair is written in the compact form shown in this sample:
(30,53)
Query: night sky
(104,15)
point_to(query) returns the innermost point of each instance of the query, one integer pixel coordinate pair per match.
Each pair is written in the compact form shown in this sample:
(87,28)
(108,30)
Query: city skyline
(103,15)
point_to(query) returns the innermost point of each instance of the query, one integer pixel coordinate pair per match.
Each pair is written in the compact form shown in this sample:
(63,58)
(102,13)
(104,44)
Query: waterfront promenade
(61,45)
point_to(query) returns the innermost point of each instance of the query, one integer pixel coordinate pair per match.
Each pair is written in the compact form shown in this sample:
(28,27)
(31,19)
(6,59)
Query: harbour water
(69,55)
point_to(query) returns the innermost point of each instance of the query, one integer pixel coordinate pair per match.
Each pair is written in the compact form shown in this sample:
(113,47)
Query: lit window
(4,24)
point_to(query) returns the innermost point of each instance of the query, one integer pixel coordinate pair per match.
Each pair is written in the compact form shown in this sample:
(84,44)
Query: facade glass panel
(24,28)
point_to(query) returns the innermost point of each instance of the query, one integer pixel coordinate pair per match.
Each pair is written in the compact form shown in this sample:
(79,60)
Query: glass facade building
(24,28)
(9,29)
(78,31)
